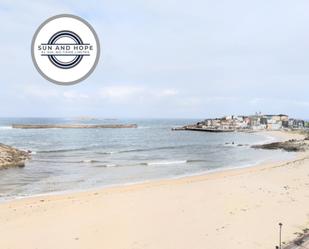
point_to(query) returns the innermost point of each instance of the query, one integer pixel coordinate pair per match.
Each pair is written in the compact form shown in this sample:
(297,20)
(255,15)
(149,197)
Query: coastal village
(254,122)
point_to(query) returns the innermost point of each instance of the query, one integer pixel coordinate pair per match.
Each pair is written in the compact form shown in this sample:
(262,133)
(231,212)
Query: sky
(165,59)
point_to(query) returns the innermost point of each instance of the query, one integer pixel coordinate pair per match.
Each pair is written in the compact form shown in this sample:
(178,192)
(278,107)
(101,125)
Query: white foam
(87,161)
(167,162)
(110,165)
(6,127)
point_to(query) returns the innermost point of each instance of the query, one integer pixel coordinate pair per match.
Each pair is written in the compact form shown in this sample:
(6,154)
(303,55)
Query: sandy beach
(238,209)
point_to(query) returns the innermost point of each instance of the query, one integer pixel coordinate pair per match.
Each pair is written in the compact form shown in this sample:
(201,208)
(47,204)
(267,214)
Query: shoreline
(147,181)
(239,197)
(204,175)
(270,136)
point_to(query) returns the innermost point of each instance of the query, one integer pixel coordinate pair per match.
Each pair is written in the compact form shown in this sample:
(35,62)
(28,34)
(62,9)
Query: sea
(68,160)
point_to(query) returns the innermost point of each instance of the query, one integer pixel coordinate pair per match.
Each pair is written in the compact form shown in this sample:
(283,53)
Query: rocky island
(11,157)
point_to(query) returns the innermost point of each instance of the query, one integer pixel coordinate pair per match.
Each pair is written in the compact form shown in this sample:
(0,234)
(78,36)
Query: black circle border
(77,58)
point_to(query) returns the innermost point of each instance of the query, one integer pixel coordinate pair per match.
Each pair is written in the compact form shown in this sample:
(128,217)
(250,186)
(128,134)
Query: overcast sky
(165,59)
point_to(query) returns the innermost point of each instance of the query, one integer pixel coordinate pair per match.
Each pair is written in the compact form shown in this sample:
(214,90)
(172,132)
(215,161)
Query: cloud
(168,93)
(125,93)
(121,92)
(74,96)
(166,58)
(32,91)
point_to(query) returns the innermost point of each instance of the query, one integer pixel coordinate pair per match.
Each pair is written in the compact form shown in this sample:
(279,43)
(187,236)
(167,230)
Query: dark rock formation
(302,240)
(11,157)
(290,145)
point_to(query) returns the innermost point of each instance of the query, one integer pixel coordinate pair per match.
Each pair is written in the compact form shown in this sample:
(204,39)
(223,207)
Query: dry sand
(235,209)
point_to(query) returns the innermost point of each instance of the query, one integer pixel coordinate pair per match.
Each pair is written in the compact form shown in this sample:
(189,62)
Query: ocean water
(79,159)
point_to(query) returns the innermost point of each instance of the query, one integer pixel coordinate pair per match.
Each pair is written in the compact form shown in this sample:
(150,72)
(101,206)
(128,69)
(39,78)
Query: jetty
(73,126)
(195,128)
(210,130)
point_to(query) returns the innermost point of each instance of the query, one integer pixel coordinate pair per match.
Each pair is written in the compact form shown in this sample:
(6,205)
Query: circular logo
(65,49)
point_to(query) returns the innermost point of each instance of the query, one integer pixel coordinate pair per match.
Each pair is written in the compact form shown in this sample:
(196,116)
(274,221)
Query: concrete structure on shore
(72,126)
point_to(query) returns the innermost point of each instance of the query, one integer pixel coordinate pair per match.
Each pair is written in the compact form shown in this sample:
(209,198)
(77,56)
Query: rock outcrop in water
(72,126)
(290,145)
(11,157)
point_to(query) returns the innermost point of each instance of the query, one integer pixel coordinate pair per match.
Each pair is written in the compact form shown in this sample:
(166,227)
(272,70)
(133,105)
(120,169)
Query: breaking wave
(6,127)
(166,162)
(59,161)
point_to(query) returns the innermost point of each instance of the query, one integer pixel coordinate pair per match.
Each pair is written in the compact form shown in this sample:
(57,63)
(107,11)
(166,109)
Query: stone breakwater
(196,128)
(71,126)
(11,157)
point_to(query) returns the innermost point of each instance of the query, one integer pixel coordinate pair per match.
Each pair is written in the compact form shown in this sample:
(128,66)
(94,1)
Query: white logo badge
(65,49)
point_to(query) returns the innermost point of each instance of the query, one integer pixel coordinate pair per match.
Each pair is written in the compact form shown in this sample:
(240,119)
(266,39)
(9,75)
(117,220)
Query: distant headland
(247,123)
